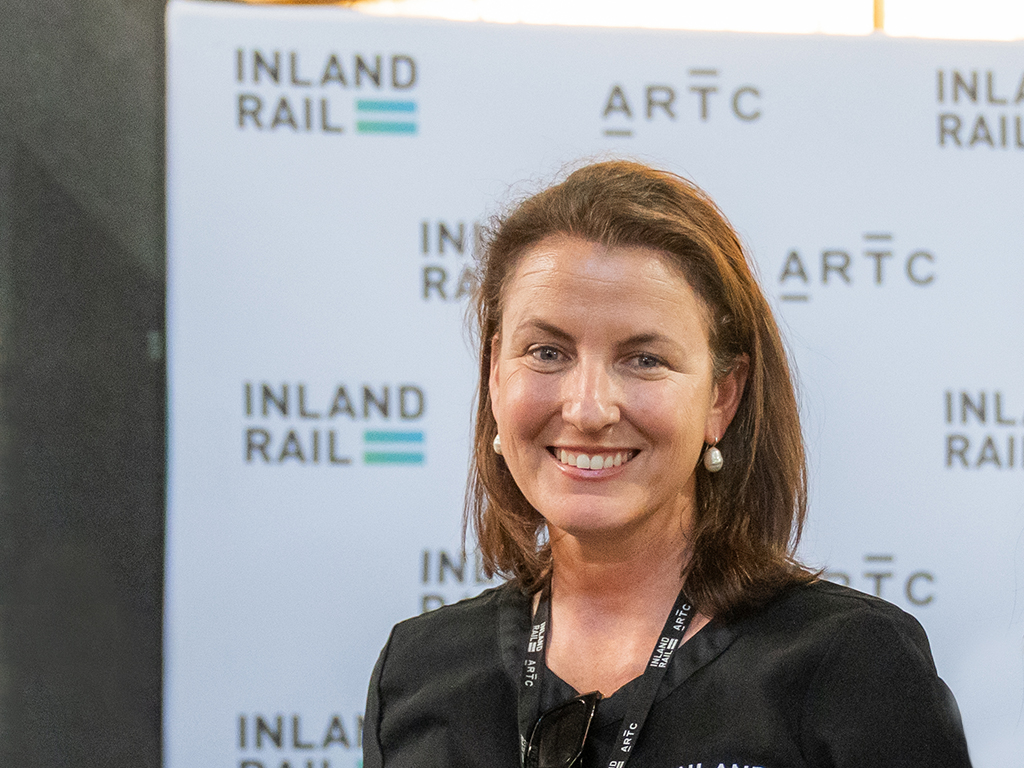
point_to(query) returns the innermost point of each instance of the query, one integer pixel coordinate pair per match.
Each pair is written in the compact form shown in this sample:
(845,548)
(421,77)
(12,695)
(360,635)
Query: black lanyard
(641,698)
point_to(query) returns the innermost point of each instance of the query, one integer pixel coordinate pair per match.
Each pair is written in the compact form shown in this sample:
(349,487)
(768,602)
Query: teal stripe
(385,106)
(392,458)
(392,437)
(373,127)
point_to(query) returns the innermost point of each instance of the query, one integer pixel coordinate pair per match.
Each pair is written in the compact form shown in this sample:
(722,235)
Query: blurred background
(82,373)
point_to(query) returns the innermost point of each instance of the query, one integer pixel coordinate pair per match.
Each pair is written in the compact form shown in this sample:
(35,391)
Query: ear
(492,379)
(727,394)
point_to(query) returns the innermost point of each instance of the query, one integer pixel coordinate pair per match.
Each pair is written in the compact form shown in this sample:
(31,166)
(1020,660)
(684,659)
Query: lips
(600,460)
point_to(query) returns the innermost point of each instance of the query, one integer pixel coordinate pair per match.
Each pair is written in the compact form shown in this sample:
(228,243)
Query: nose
(590,397)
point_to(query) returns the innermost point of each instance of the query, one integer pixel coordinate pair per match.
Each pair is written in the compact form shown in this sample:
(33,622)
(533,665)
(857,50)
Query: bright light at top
(837,16)
(955,19)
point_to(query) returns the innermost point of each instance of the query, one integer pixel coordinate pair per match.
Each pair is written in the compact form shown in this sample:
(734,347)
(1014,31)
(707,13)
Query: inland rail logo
(447,577)
(985,430)
(703,95)
(298,741)
(446,247)
(374,111)
(383,446)
(295,423)
(980,108)
(293,92)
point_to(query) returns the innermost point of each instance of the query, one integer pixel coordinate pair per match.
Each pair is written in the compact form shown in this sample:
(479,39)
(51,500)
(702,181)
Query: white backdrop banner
(327,175)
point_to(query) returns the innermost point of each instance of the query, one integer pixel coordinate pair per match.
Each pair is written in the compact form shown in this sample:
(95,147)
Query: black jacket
(822,676)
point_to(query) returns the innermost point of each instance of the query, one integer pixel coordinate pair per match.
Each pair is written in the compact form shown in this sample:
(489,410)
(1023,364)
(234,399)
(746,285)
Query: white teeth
(597,461)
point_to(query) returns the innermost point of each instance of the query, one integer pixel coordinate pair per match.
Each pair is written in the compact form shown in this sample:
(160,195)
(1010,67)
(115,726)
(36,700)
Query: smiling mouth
(592,461)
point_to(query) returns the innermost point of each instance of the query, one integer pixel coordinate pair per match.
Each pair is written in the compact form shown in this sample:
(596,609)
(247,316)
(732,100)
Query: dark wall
(81,382)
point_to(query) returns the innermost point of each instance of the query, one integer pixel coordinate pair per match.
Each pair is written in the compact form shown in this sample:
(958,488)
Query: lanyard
(641,698)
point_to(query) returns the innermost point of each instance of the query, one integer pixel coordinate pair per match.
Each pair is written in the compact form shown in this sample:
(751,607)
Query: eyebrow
(649,338)
(535,323)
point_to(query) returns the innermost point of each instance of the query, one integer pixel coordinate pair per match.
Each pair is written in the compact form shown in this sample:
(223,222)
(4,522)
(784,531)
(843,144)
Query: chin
(587,519)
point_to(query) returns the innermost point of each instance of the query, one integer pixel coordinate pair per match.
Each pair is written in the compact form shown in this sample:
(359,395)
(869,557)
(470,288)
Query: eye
(647,362)
(546,354)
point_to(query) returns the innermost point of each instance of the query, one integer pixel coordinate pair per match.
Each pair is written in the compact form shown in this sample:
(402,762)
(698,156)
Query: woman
(639,477)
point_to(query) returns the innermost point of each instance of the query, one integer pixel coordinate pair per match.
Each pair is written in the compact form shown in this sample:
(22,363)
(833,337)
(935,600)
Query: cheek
(524,403)
(672,416)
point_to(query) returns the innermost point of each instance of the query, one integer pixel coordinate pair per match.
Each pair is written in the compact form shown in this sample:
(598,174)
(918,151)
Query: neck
(619,575)
(609,604)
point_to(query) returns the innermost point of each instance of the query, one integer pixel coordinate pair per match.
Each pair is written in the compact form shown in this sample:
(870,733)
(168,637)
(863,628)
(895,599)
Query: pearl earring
(497,444)
(713,461)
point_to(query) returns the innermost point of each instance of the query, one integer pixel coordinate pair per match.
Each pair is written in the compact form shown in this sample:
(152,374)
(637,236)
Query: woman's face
(602,387)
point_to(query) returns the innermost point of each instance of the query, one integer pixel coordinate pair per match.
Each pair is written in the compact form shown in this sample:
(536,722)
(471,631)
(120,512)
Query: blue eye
(545,354)
(647,361)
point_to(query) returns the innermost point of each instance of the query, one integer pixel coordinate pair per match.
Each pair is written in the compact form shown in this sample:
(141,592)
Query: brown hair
(748,517)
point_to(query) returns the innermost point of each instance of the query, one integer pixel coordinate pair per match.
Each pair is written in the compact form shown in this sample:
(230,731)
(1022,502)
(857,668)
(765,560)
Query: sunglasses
(558,737)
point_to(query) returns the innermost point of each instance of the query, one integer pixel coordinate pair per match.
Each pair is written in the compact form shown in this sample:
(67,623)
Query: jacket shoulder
(467,621)
(826,604)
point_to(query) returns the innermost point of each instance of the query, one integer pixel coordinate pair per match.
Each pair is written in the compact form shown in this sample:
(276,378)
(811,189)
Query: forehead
(582,273)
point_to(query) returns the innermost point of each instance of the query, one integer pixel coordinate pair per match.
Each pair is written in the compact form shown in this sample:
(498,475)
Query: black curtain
(82,382)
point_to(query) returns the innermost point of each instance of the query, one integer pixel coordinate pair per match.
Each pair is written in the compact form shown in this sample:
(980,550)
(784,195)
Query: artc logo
(880,576)
(703,95)
(287,91)
(876,262)
(980,108)
(300,424)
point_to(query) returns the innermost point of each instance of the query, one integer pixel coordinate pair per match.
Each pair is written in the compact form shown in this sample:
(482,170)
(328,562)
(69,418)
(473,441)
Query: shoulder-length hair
(748,516)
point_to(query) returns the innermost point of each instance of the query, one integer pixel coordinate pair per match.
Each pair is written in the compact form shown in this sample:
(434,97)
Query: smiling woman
(603,355)
(639,479)
(676,255)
